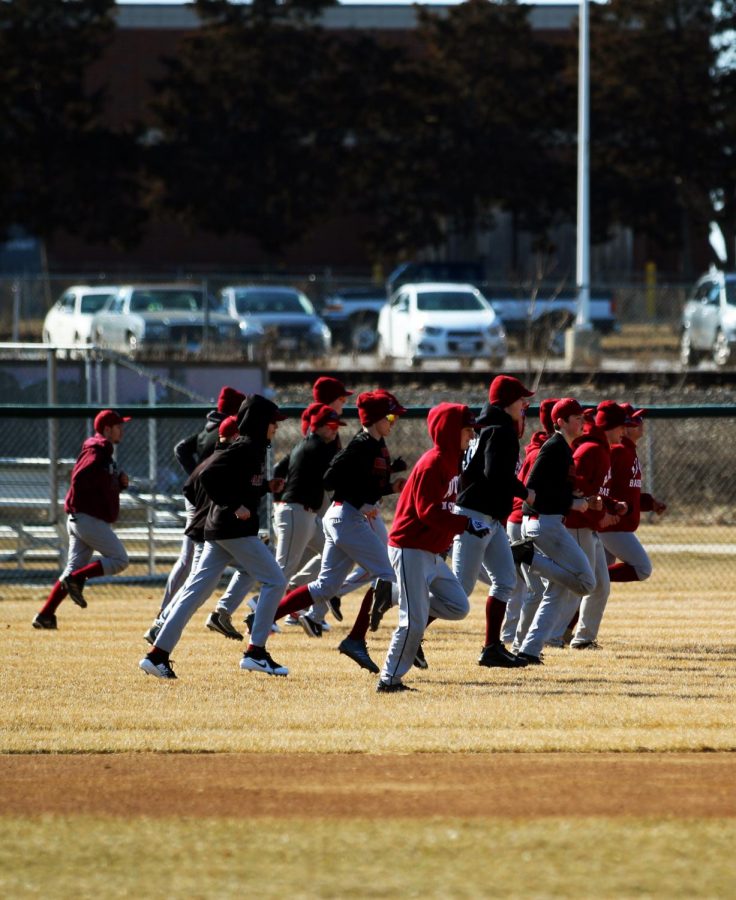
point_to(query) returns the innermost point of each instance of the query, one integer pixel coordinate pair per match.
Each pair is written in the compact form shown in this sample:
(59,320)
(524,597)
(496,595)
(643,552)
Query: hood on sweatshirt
(445,422)
(256,413)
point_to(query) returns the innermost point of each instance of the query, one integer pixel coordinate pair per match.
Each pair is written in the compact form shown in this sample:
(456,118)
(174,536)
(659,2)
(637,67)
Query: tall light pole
(582,267)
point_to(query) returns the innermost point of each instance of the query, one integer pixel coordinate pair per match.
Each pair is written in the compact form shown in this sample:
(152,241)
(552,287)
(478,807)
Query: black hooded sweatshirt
(488,483)
(193,449)
(236,476)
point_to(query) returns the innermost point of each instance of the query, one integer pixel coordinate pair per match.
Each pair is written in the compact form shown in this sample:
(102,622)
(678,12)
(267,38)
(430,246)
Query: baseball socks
(362,620)
(622,571)
(295,600)
(495,612)
(56,595)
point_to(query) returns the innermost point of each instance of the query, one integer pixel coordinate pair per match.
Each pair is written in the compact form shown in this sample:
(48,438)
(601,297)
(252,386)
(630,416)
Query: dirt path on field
(352,786)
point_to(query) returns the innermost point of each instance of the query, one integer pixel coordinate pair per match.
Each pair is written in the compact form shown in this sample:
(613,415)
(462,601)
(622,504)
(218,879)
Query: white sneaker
(263,662)
(293,620)
(325,625)
(160,670)
(275,629)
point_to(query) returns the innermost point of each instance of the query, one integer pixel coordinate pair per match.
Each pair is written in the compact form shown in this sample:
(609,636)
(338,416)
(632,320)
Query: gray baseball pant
(492,552)
(196,557)
(349,539)
(556,550)
(627,547)
(87,534)
(427,587)
(183,566)
(518,595)
(593,604)
(249,554)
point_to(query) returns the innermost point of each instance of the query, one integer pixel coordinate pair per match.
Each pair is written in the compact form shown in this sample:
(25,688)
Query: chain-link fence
(688,458)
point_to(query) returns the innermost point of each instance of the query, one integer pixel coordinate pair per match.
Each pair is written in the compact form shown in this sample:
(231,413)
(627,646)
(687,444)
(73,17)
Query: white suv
(69,321)
(709,320)
(441,321)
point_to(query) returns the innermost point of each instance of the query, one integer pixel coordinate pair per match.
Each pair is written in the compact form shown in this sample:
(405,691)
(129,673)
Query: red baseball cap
(108,417)
(505,390)
(395,407)
(610,415)
(325,415)
(545,414)
(566,407)
(326,389)
(228,427)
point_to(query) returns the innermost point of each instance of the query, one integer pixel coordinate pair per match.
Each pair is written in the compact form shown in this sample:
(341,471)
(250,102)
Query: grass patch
(664,681)
(82,857)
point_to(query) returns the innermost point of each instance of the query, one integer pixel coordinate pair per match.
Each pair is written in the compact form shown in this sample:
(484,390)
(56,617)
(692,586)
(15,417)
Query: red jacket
(530,454)
(95,487)
(592,457)
(423,519)
(626,485)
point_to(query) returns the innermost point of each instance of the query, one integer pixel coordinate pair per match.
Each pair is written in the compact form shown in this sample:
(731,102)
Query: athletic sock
(93,570)
(622,571)
(362,620)
(299,598)
(157,655)
(495,611)
(56,595)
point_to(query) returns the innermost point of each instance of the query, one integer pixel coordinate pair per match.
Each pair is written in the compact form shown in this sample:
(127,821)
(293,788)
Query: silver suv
(709,320)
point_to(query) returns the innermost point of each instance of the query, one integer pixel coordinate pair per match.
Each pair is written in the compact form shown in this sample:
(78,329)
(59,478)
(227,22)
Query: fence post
(152,477)
(53,429)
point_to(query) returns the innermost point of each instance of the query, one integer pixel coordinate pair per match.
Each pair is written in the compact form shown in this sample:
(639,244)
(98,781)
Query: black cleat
(74,589)
(523,552)
(45,622)
(358,652)
(530,659)
(334,604)
(152,633)
(381,603)
(420,660)
(311,627)
(249,620)
(383,687)
(221,622)
(496,656)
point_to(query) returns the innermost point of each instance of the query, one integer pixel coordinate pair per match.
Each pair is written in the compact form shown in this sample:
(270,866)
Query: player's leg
(634,562)
(593,605)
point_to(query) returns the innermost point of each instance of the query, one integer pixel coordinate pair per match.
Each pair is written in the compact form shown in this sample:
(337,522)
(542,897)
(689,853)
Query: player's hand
(595,502)
(531,496)
(398,485)
(608,521)
(399,465)
(371,514)
(622,507)
(276,485)
(123,480)
(579,505)
(659,507)
(242,513)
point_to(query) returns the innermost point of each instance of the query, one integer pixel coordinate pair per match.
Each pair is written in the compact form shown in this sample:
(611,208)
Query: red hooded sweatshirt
(95,487)
(626,485)
(530,454)
(423,519)
(592,457)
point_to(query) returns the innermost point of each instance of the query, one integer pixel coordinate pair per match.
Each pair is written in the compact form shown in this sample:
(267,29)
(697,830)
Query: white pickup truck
(537,319)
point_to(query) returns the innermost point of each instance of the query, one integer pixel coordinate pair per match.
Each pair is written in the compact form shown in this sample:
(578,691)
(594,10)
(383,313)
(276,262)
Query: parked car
(709,320)
(441,321)
(69,321)
(165,318)
(286,315)
(352,316)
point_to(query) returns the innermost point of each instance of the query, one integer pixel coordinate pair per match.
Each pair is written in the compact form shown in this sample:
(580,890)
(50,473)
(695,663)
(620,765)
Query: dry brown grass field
(602,773)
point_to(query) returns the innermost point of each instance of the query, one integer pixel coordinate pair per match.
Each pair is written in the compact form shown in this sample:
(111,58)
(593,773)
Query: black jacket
(307,464)
(199,498)
(192,450)
(236,476)
(552,478)
(361,472)
(488,482)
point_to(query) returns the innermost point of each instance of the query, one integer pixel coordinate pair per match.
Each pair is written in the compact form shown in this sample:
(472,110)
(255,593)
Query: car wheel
(363,335)
(688,356)
(721,350)
(132,342)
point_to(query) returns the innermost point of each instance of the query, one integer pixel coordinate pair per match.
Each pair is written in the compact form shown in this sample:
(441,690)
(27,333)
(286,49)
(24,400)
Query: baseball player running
(488,485)
(550,550)
(422,529)
(92,505)
(359,476)
(234,481)
(619,539)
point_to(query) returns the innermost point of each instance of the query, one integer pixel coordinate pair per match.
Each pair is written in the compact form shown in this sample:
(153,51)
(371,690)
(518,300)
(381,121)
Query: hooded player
(423,528)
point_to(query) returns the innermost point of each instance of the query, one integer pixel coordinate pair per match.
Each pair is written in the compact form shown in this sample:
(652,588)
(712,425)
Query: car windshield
(169,300)
(252,300)
(449,301)
(92,303)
